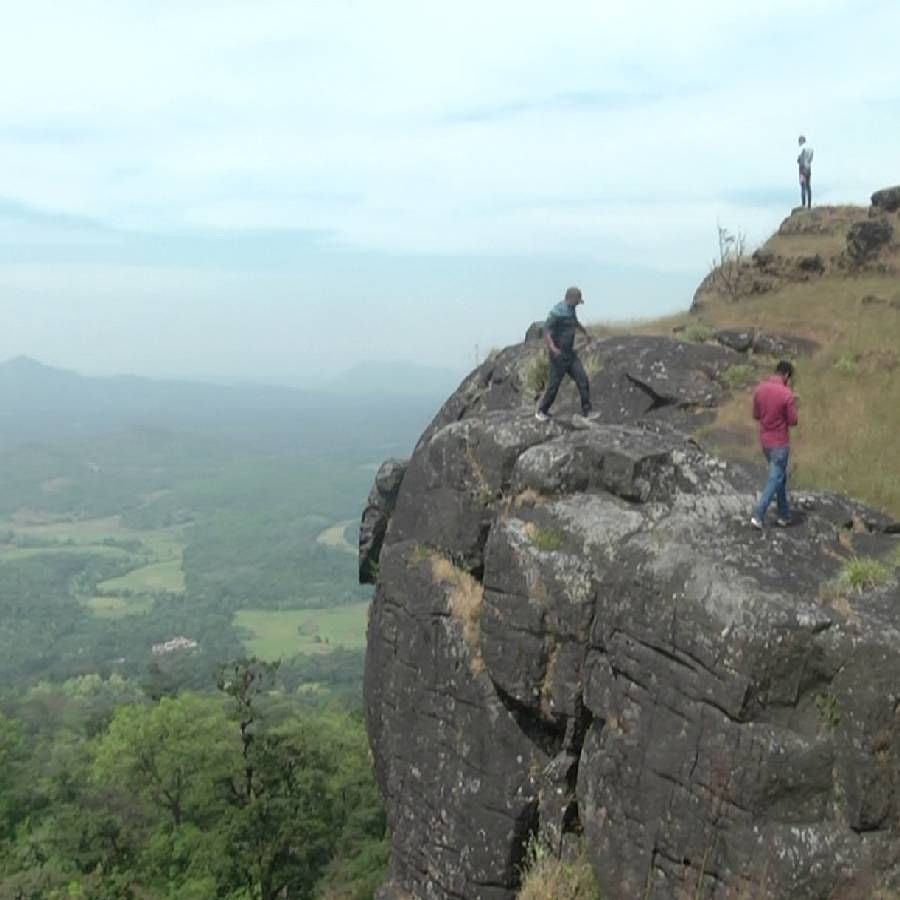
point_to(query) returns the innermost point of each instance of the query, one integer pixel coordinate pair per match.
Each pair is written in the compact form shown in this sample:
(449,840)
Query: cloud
(302,136)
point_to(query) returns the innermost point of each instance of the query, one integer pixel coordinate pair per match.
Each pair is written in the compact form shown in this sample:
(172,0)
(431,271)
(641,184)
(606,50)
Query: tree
(172,755)
(12,754)
(728,270)
(282,824)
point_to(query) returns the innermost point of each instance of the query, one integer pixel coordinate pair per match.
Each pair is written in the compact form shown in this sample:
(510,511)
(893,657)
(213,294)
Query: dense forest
(181,652)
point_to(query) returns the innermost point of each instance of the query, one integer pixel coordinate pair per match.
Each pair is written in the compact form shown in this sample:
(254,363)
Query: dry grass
(849,391)
(849,420)
(548,878)
(535,372)
(528,497)
(593,364)
(466,596)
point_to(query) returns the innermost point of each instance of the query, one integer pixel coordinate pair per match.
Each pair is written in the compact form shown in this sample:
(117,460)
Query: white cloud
(610,133)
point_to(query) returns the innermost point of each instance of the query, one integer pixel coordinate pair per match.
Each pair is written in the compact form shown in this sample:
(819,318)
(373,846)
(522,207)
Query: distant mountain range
(30,386)
(39,401)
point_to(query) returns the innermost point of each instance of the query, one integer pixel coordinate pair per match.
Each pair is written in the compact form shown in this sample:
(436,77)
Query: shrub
(545,877)
(537,373)
(698,333)
(727,271)
(864,572)
(737,377)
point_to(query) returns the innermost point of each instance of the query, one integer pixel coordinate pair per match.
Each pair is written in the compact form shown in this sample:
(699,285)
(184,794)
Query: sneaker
(783,523)
(541,416)
(756,523)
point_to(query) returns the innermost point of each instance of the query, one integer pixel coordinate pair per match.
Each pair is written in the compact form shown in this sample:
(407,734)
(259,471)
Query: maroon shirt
(775,410)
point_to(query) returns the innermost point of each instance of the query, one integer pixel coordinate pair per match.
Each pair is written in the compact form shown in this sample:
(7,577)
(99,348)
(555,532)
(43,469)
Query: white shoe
(756,523)
(542,416)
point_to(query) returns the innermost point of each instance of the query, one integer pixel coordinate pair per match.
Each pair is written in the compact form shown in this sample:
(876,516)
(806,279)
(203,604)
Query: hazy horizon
(281,192)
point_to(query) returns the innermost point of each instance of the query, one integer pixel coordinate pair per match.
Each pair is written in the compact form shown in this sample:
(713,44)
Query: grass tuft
(466,596)
(845,365)
(593,364)
(698,333)
(536,373)
(545,539)
(864,573)
(737,377)
(546,877)
(829,710)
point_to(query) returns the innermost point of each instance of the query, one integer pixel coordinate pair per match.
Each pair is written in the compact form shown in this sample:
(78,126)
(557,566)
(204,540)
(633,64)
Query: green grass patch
(845,365)
(275,634)
(546,539)
(698,333)
(864,573)
(162,576)
(118,607)
(829,710)
(335,537)
(9,553)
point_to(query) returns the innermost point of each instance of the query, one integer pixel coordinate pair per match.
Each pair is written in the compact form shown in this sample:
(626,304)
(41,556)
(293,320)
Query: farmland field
(273,634)
(162,576)
(336,536)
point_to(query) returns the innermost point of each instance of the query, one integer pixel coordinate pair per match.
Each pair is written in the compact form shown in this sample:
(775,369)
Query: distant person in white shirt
(804,161)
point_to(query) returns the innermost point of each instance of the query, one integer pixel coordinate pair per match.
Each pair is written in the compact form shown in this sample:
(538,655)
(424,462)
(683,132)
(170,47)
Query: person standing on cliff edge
(559,336)
(775,408)
(804,164)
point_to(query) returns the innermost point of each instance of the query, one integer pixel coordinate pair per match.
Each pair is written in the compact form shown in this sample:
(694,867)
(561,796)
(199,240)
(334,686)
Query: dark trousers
(806,189)
(560,366)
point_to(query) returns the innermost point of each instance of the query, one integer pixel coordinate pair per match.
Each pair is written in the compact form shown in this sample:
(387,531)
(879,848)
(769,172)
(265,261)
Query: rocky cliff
(575,634)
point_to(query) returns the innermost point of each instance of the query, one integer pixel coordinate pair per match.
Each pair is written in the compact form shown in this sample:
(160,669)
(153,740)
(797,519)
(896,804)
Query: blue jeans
(776,486)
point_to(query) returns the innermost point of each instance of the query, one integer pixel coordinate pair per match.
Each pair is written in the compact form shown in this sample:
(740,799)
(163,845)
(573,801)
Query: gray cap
(574,293)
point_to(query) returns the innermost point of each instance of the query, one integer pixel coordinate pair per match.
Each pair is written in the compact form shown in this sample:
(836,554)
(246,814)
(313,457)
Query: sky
(282,190)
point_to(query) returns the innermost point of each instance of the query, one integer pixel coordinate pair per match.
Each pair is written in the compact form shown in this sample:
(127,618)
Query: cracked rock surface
(575,632)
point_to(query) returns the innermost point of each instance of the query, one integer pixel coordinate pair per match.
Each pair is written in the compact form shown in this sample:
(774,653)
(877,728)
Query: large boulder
(865,240)
(740,339)
(783,345)
(887,199)
(575,631)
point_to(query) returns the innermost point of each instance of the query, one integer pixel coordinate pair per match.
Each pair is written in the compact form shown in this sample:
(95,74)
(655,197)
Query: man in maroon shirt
(775,409)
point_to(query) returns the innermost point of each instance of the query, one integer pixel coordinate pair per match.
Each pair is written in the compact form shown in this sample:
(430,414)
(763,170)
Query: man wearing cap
(559,336)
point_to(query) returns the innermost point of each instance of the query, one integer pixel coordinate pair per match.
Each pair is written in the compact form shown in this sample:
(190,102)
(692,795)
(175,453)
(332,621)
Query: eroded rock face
(866,239)
(575,631)
(376,515)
